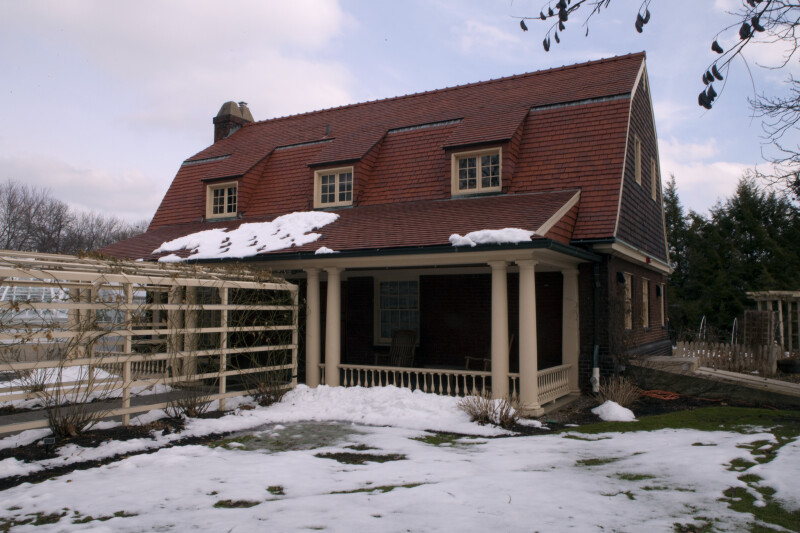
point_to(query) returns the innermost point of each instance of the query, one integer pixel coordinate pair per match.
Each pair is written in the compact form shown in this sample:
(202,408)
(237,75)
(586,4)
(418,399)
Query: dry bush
(482,409)
(619,389)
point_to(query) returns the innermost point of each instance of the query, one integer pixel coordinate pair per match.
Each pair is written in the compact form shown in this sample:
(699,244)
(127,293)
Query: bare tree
(755,21)
(20,208)
(32,220)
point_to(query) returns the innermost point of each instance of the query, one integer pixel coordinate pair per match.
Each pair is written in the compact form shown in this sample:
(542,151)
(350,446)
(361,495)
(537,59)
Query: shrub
(482,409)
(619,389)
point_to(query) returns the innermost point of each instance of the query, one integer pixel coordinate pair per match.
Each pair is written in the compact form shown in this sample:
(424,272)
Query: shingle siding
(641,222)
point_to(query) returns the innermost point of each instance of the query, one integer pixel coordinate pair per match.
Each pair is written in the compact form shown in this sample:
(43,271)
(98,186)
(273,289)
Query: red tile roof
(392,226)
(560,129)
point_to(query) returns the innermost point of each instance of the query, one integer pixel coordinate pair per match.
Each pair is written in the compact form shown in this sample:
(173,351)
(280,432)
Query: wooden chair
(401,352)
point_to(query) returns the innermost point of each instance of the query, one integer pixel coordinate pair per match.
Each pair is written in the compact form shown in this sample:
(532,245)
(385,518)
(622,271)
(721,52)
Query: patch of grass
(740,464)
(89,518)
(597,461)
(703,444)
(785,425)
(361,458)
(705,527)
(635,477)
(241,439)
(380,488)
(576,437)
(627,493)
(276,490)
(235,504)
(743,501)
(662,487)
(360,447)
(446,439)
(41,519)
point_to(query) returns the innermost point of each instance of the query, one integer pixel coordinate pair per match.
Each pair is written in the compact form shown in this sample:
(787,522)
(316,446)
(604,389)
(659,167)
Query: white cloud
(477,37)
(701,182)
(130,195)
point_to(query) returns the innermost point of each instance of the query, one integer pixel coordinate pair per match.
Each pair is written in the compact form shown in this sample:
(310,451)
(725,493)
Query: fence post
(223,345)
(128,348)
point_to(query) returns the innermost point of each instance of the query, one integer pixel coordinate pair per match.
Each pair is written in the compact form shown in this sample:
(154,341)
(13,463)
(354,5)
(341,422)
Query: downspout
(595,381)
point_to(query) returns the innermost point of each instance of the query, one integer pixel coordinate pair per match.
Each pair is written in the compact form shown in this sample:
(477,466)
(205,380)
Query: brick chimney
(230,118)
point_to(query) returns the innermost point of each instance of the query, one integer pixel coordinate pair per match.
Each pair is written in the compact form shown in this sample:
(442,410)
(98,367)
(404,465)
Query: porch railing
(553,382)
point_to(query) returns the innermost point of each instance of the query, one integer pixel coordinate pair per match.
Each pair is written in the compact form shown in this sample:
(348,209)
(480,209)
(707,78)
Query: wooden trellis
(143,324)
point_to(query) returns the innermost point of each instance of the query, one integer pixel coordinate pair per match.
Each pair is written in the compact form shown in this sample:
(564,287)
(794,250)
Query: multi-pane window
(398,307)
(222,200)
(645,303)
(476,172)
(335,187)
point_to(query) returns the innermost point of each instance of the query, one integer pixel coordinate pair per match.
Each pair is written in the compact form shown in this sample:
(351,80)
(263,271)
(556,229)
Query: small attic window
(477,172)
(637,154)
(222,200)
(333,187)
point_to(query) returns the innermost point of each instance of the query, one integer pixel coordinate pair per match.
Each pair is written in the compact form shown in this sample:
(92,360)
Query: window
(477,172)
(653,179)
(628,301)
(637,151)
(663,307)
(645,303)
(222,200)
(397,307)
(333,187)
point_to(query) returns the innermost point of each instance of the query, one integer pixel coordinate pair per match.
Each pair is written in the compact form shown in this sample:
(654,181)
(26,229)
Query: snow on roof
(492,236)
(250,239)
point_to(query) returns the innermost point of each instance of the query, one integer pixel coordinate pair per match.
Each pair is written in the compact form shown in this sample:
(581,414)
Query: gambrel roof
(562,131)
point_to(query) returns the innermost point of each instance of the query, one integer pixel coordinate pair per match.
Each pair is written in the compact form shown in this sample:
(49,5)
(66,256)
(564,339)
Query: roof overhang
(619,248)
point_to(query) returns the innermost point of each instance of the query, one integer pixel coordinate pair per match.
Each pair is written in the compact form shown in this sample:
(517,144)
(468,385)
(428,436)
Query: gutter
(545,244)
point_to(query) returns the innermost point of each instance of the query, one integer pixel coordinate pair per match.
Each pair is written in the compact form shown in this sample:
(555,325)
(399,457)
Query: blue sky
(101,101)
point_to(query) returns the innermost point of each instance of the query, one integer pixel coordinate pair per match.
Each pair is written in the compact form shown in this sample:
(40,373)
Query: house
(517,220)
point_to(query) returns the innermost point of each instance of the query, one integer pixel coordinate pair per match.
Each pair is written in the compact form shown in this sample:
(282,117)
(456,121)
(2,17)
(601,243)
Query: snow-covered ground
(640,481)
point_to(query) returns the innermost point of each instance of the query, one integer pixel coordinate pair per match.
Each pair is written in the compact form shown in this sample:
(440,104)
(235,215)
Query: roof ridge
(451,88)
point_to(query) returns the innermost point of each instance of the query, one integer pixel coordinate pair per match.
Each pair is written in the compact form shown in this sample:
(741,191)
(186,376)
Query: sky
(102,101)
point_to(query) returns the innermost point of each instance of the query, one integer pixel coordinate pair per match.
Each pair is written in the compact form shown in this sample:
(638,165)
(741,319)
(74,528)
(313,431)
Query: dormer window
(333,187)
(222,200)
(476,172)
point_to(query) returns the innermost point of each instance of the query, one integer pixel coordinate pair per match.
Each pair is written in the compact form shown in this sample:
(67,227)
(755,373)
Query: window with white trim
(637,154)
(663,307)
(397,307)
(645,303)
(653,179)
(222,200)
(628,300)
(333,187)
(477,172)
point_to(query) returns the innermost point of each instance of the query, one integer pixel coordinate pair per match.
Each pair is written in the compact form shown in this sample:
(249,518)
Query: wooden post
(780,324)
(128,348)
(223,346)
(333,321)
(312,327)
(499,329)
(528,351)
(295,338)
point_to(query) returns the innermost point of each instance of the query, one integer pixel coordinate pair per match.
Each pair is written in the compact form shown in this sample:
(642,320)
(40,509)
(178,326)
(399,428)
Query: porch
(516,309)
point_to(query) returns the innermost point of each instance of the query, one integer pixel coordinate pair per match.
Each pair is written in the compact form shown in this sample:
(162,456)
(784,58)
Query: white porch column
(528,351)
(499,329)
(333,327)
(312,327)
(570,327)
